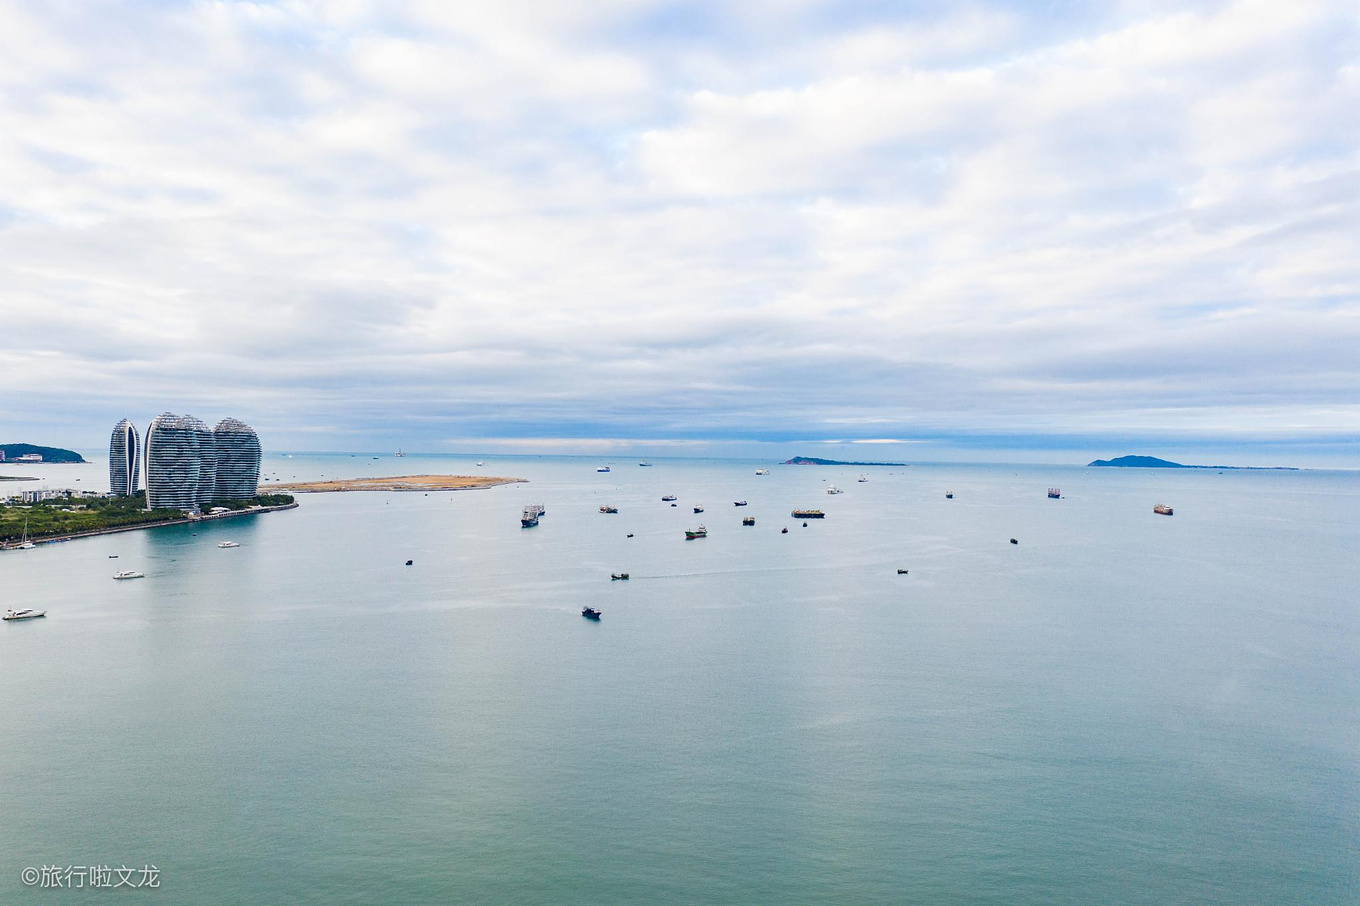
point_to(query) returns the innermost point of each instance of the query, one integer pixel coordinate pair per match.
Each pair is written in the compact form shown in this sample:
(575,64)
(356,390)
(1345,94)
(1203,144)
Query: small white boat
(24,544)
(602,469)
(832,489)
(762,471)
(863,478)
(645,465)
(129,574)
(25,614)
(480,463)
(225,544)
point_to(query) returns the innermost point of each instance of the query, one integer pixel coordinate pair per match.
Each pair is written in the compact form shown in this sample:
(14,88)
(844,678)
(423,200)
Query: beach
(397,483)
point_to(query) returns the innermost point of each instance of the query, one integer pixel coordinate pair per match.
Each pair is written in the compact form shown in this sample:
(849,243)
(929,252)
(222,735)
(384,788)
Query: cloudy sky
(1000,229)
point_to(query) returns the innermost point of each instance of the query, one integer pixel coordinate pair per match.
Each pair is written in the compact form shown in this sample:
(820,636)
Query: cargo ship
(808,514)
(1162,509)
(700,532)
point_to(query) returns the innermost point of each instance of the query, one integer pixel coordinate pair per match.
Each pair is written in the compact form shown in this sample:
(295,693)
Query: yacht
(25,614)
(832,489)
(590,613)
(602,469)
(399,454)
(225,544)
(24,544)
(129,574)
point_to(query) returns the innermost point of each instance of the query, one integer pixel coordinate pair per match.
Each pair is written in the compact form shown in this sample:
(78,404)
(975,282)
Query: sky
(909,230)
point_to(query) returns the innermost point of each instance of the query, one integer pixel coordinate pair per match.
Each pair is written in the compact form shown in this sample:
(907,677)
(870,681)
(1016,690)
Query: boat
(630,534)
(590,613)
(1162,509)
(668,498)
(529,517)
(24,544)
(409,562)
(645,465)
(749,520)
(25,614)
(700,532)
(698,509)
(113,556)
(762,471)
(399,454)
(609,509)
(225,544)
(948,495)
(808,514)
(614,577)
(1054,493)
(784,530)
(1013,541)
(602,469)
(129,574)
(901,572)
(739,503)
(832,489)
(480,463)
(862,479)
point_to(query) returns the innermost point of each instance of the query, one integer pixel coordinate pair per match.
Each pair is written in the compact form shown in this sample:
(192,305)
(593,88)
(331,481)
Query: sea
(1121,707)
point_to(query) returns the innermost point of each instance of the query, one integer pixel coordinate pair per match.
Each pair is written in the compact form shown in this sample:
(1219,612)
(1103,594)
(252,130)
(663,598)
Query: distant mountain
(1152,462)
(49,454)
(814,461)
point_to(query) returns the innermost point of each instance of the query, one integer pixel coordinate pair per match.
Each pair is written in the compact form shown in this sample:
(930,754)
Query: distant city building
(2,455)
(238,460)
(29,457)
(124,459)
(173,461)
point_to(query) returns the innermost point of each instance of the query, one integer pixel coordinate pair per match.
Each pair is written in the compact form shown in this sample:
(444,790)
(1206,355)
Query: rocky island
(1152,462)
(814,461)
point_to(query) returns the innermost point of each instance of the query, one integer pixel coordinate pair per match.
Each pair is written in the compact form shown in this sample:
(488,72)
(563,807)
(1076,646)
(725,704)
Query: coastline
(54,539)
(396,483)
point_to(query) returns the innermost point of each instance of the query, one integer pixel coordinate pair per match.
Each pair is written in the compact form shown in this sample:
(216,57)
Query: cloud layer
(349,222)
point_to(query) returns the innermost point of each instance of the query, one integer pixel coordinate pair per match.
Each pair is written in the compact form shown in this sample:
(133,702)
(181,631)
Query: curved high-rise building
(172,461)
(207,463)
(238,460)
(124,459)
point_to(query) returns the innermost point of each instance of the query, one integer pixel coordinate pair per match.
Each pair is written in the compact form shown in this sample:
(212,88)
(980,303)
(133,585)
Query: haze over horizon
(988,231)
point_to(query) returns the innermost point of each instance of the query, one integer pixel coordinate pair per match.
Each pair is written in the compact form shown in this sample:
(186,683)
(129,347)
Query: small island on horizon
(814,461)
(49,454)
(1152,462)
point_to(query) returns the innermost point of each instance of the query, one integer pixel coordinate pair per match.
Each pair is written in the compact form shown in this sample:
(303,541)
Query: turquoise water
(1121,708)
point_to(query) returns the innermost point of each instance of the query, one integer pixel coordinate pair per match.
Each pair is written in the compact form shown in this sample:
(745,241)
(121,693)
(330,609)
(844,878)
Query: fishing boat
(1162,509)
(129,574)
(529,517)
(700,532)
(808,514)
(1054,493)
(609,509)
(614,577)
(1013,541)
(784,530)
(901,572)
(590,613)
(25,614)
(739,503)
(749,520)
(668,498)
(227,544)
(948,495)
(602,469)
(698,509)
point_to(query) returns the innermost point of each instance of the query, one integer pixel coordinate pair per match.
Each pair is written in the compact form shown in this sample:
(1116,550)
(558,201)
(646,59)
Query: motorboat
(410,562)
(832,489)
(948,495)
(784,530)
(668,498)
(1013,541)
(901,572)
(480,463)
(129,574)
(762,471)
(590,613)
(645,465)
(25,614)
(227,544)
(602,469)
(614,577)
(609,509)
(739,503)
(698,509)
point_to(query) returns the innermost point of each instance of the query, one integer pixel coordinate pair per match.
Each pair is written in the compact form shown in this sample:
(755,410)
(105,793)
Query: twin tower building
(187,466)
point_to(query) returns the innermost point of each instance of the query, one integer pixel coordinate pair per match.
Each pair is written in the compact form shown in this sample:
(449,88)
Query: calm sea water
(1121,708)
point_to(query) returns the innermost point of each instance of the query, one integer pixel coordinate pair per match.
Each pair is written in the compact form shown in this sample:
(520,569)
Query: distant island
(1152,462)
(814,461)
(49,454)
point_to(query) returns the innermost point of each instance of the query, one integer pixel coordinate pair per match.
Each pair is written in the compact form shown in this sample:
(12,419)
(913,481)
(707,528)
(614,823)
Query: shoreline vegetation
(397,483)
(50,455)
(65,518)
(815,461)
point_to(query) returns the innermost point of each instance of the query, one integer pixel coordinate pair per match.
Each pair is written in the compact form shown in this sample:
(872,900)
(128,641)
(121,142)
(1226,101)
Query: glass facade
(124,459)
(238,460)
(172,462)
